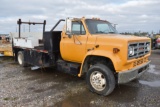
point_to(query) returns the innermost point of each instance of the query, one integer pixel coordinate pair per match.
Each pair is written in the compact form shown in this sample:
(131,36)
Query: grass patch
(7,98)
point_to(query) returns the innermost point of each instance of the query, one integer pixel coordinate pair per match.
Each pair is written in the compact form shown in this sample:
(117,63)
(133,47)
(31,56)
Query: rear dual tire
(20,58)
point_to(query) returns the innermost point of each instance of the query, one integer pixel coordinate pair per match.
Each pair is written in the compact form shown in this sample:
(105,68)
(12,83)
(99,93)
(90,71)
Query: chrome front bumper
(129,75)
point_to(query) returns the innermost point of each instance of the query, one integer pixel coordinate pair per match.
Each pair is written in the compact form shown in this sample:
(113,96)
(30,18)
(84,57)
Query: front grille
(140,49)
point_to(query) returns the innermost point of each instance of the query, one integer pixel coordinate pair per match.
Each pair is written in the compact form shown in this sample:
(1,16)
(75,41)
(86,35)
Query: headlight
(148,47)
(131,51)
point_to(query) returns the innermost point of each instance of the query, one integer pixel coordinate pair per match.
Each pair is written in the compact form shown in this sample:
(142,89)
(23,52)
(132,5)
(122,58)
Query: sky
(129,15)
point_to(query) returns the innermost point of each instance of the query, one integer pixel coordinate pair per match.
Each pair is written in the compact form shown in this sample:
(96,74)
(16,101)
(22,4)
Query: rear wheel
(100,79)
(21,59)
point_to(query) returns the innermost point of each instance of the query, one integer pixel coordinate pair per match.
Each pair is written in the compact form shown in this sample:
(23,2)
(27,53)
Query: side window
(78,28)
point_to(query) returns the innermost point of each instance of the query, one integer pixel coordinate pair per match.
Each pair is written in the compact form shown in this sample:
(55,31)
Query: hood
(122,37)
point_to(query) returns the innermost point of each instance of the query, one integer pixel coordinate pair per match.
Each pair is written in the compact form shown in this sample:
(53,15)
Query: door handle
(64,37)
(90,49)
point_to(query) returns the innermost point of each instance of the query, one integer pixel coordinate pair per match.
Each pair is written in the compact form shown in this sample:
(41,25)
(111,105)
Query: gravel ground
(22,87)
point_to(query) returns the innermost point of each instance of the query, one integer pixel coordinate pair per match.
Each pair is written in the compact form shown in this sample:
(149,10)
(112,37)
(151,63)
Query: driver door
(73,47)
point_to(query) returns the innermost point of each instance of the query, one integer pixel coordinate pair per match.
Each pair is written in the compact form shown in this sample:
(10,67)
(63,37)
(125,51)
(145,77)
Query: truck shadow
(88,99)
(48,75)
(121,94)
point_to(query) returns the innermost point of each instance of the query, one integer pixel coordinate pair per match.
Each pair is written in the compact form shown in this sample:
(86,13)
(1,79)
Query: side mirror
(69,27)
(69,34)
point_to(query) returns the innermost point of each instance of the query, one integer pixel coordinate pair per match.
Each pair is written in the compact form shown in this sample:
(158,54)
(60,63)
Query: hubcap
(98,80)
(20,59)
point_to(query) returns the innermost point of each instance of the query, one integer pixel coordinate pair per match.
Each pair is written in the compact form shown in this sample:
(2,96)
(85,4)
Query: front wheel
(100,79)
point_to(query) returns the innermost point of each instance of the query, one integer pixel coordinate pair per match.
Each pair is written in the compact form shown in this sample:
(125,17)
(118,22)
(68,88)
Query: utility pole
(24,28)
(29,26)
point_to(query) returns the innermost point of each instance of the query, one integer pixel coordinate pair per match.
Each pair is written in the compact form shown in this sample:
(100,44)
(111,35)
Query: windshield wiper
(100,32)
(111,32)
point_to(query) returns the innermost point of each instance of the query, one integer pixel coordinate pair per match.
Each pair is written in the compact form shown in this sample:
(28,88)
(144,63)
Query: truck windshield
(100,27)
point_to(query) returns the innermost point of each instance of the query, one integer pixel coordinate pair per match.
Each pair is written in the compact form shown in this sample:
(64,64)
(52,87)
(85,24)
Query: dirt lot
(22,87)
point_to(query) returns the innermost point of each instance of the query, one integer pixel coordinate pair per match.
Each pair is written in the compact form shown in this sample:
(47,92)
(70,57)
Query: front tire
(100,79)
(20,59)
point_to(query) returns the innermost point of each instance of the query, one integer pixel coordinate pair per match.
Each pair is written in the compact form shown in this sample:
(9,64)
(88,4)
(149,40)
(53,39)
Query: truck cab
(93,49)
(93,42)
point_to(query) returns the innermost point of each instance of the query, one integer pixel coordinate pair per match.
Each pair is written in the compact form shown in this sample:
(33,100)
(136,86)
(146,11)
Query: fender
(114,58)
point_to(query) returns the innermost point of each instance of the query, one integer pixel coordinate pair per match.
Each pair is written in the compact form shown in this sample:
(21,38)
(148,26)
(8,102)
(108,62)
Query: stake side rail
(19,22)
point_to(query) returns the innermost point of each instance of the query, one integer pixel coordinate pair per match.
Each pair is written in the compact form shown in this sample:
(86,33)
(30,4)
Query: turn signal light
(115,50)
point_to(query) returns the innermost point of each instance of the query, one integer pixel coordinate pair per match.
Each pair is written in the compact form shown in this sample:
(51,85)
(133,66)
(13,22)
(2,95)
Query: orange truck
(5,46)
(90,48)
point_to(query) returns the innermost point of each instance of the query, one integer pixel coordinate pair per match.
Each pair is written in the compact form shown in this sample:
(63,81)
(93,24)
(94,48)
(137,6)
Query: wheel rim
(20,59)
(98,81)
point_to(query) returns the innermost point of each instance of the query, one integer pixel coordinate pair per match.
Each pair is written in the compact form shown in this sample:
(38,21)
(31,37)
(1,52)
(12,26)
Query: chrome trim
(129,75)
(138,52)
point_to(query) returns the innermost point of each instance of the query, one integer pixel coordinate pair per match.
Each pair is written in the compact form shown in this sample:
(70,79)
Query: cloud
(130,15)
